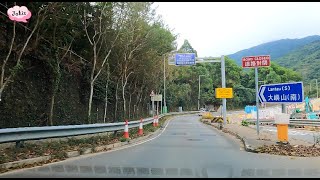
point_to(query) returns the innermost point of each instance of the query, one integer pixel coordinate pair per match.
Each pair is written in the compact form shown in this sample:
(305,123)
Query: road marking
(83,156)
(290,132)
(140,142)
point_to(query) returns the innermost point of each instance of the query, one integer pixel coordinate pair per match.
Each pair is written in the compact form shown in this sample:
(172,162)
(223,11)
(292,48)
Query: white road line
(140,142)
(84,156)
(291,132)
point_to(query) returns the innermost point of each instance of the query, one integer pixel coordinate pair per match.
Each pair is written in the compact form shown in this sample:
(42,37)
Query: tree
(6,78)
(101,27)
(187,48)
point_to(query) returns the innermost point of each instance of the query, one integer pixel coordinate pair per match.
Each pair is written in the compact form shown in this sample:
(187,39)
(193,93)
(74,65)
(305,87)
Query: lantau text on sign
(224,93)
(256,61)
(282,93)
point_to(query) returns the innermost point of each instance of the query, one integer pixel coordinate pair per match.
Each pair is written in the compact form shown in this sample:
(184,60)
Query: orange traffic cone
(157,120)
(140,132)
(126,130)
(154,121)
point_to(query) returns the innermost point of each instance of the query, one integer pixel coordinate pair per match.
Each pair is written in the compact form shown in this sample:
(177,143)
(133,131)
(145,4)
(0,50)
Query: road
(185,148)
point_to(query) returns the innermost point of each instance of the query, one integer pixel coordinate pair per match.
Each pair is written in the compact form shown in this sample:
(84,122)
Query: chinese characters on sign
(284,97)
(256,61)
(183,59)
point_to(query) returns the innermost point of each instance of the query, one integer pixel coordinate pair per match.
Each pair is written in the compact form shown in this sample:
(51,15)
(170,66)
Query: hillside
(276,49)
(305,60)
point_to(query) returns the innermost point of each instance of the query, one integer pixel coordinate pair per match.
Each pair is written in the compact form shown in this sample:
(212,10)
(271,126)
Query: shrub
(244,123)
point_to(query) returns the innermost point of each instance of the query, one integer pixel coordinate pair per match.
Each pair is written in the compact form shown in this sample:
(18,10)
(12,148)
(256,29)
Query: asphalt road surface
(185,148)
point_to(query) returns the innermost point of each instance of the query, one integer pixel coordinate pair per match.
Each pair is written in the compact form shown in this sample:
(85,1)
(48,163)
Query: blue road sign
(281,93)
(185,59)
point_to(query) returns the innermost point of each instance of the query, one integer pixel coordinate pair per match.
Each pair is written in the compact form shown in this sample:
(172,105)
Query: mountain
(275,49)
(305,60)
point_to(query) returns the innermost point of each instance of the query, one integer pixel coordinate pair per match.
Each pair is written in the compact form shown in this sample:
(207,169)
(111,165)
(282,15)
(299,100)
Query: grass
(58,149)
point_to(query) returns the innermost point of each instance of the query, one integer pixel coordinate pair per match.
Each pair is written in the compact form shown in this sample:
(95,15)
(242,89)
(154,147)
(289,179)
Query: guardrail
(292,122)
(19,135)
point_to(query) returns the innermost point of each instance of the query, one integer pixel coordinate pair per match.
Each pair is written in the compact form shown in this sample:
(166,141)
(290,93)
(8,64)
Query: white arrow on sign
(261,94)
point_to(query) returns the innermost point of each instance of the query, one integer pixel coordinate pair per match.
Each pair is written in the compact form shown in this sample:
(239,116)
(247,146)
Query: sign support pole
(257,97)
(224,100)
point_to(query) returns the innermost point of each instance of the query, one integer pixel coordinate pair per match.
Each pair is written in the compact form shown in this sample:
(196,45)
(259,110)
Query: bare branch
(28,39)
(106,57)
(9,53)
(85,26)
(68,49)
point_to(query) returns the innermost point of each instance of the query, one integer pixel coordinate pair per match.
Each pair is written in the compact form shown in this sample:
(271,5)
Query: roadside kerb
(72,154)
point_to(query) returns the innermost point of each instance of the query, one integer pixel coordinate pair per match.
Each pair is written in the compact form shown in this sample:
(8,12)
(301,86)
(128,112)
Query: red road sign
(256,61)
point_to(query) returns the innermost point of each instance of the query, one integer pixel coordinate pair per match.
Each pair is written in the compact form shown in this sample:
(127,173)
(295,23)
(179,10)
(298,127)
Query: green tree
(187,48)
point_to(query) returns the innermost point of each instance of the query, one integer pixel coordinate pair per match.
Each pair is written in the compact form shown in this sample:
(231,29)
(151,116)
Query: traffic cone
(140,132)
(126,130)
(154,121)
(157,120)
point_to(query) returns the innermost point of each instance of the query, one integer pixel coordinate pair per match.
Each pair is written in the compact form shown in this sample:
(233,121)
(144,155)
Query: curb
(80,152)
(24,162)
(71,154)
(247,147)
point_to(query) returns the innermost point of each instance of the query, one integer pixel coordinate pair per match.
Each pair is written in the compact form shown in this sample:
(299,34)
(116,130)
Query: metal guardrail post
(19,135)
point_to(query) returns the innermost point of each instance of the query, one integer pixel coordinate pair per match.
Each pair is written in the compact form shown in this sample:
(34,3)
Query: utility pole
(224,100)
(164,85)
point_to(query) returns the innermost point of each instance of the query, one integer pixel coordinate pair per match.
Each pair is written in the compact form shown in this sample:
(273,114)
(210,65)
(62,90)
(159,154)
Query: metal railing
(292,122)
(35,133)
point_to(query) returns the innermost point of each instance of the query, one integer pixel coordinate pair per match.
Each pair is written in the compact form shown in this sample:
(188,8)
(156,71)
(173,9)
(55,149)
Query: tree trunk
(124,84)
(129,106)
(116,105)
(124,101)
(51,109)
(106,104)
(90,103)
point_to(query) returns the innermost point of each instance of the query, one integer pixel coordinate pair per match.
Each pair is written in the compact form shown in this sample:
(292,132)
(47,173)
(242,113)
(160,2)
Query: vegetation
(78,63)
(244,123)
(276,49)
(305,60)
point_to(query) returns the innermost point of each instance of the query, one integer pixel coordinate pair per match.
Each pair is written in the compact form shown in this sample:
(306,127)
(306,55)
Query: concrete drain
(195,139)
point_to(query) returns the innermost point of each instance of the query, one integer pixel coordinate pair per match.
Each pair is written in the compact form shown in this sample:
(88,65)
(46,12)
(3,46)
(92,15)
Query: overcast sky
(222,28)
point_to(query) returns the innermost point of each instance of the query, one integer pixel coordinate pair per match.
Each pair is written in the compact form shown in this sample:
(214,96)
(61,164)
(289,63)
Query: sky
(223,28)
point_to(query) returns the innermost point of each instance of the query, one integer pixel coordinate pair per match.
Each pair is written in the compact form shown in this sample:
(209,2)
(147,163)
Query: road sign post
(257,98)
(164,88)
(152,99)
(224,100)
(187,59)
(255,62)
